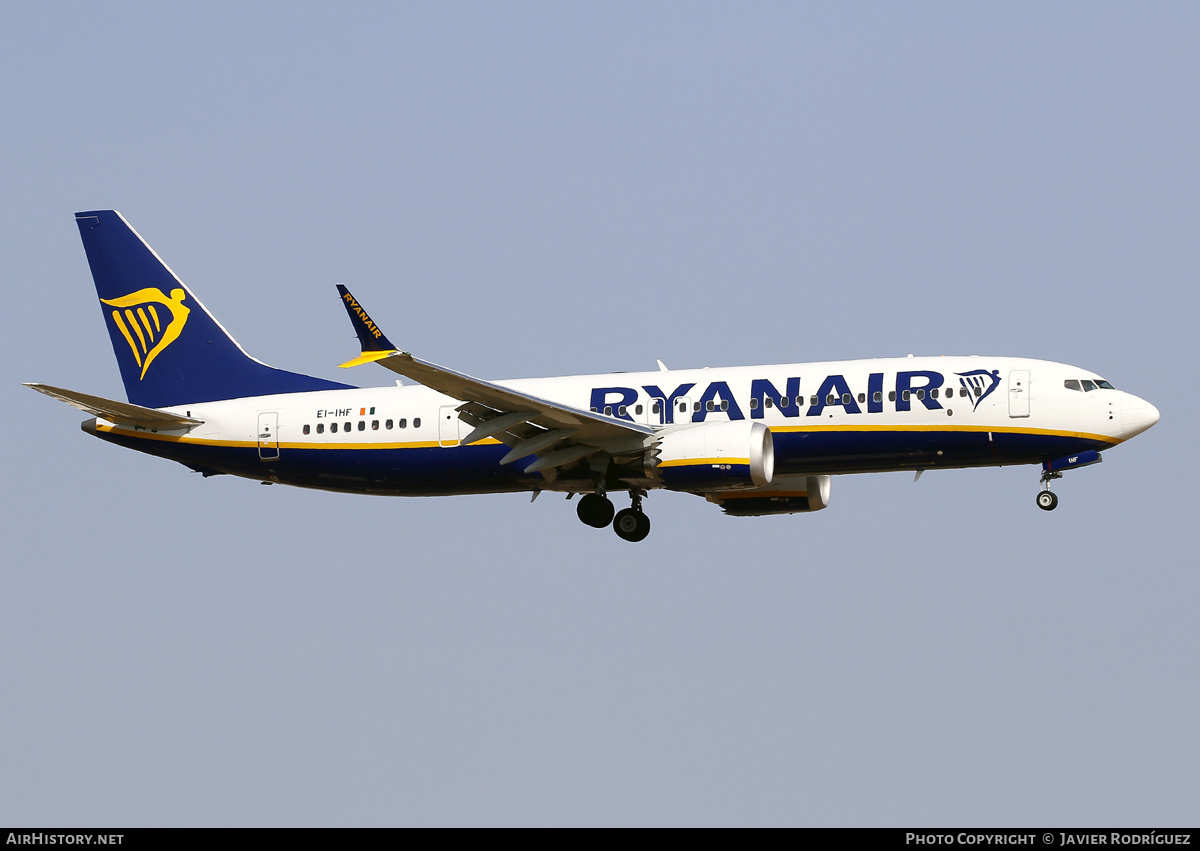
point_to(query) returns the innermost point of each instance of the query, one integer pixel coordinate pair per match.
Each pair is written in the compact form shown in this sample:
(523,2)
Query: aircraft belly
(860,451)
(437,470)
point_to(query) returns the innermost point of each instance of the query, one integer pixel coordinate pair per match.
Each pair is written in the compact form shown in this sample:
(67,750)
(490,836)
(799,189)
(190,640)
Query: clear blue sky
(536,189)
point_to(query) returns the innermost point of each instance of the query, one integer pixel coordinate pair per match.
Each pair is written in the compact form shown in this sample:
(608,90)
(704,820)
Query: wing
(117,412)
(557,435)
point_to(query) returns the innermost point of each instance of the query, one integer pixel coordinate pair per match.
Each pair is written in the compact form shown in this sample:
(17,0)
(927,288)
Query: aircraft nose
(1137,415)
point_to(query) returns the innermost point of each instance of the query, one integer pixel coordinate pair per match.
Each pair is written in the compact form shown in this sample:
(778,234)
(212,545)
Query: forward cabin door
(268,436)
(1018,393)
(448,433)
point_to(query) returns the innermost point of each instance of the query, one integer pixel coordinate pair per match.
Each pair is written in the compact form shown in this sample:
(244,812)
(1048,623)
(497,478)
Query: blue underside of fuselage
(435,470)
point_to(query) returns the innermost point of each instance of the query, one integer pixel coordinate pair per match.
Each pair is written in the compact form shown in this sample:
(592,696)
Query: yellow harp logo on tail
(139,322)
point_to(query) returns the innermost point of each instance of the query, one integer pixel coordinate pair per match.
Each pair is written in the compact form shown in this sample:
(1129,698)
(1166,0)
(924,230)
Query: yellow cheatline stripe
(128,337)
(367,357)
(960,428)
(204,441)
(136,328)
(696,462)
(154,313)
(146,323)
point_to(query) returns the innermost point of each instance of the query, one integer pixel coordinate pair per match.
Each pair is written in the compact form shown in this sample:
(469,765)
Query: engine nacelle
(714,457)
(790,495)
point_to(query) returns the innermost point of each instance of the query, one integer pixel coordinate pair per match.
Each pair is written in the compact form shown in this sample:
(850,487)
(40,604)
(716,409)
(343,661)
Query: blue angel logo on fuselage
(975,380)
(147,333)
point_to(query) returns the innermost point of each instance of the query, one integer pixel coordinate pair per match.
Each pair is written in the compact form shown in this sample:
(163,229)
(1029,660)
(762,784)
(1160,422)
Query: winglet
(375,345)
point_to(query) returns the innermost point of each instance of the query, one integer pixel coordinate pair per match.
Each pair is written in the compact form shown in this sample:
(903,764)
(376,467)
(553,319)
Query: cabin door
(1018,393)
(268,436)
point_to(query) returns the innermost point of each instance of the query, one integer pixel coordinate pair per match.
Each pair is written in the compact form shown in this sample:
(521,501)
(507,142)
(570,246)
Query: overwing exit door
(448,426)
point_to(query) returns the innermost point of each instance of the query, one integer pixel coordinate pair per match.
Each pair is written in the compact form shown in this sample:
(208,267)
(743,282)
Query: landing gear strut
(631,524)
(1047,500)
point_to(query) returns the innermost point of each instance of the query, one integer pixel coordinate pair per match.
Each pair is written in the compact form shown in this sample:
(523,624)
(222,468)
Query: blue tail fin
(170,348)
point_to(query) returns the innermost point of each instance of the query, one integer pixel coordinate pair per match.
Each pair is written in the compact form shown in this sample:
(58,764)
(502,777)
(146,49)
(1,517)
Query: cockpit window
(1072,384)
(1089,385)
(1104,385)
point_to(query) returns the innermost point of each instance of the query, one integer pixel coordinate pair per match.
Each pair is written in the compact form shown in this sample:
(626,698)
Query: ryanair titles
(687,403)
(353,304)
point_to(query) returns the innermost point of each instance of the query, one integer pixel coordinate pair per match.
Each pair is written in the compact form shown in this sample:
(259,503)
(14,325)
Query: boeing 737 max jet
(754,440)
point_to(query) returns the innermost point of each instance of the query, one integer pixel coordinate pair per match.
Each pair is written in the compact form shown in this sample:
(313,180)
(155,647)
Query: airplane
(754,440)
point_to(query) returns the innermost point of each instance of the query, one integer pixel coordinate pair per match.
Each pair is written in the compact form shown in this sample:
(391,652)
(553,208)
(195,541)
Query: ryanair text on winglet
(362,314)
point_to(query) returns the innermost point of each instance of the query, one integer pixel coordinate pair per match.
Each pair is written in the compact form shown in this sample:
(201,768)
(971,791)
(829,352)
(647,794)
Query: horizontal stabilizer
(117,412)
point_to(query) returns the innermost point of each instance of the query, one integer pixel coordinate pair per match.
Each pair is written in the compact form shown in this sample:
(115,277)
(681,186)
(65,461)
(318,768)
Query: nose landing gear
(1047,500)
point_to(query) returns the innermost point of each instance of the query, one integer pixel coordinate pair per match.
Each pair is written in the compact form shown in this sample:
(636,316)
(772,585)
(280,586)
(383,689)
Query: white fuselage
(825,418)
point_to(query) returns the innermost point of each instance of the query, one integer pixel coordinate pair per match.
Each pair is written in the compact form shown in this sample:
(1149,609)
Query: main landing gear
(630,524)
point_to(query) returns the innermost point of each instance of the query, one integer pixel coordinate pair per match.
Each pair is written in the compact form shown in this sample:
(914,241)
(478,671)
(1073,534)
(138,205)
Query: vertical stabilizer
(170,349)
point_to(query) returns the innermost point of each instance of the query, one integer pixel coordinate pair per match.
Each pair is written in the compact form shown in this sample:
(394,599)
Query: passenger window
(696,407)
(813,400)
(724,404)
(362,425)
(416,422)
(638,410)
(847,398)
(933,394)
(766,402)
(306,428)
(754,403)
(387,424)
(402,423)
(320,428)
(374,425)
(891,395)
(905,395)
(622,410)
(608,410)
(333,428)
(594,411)
(921,394)
(656,408)
(1088,385)
(683,407)
(1072,384)
(709,406)
(346,427)
(862,397)
(878,396)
